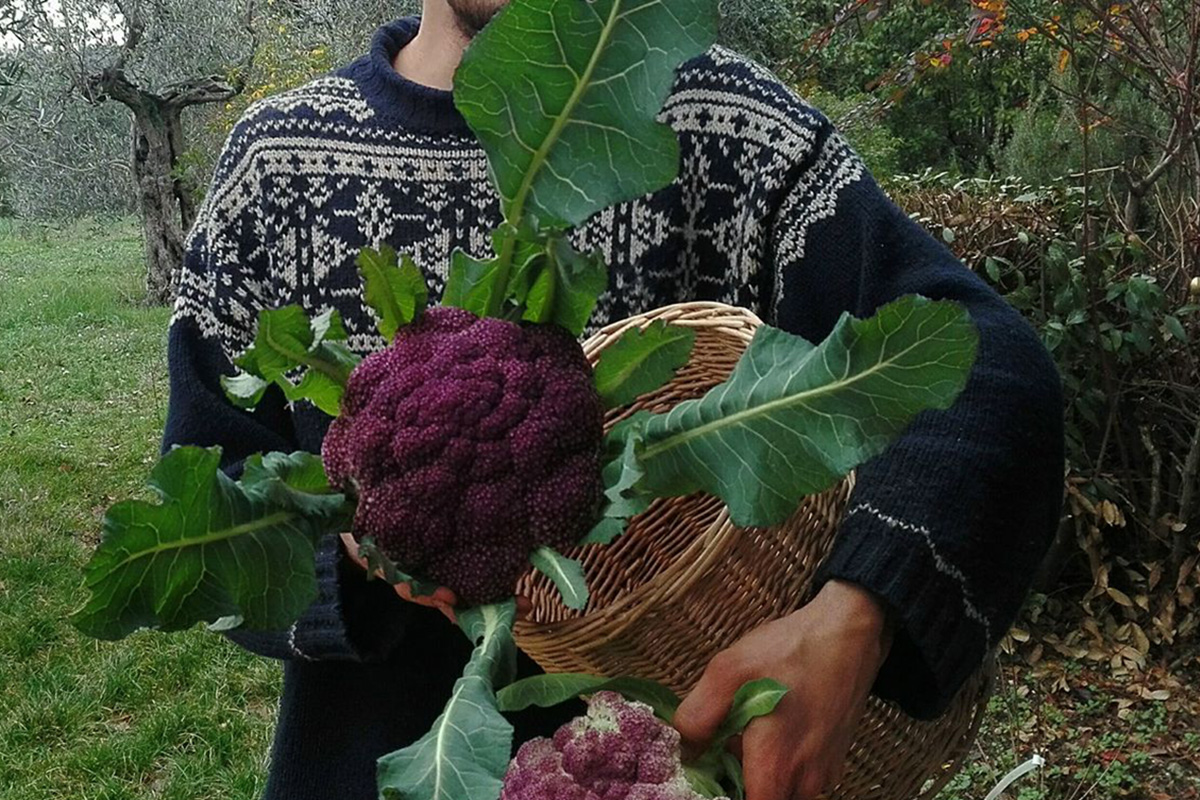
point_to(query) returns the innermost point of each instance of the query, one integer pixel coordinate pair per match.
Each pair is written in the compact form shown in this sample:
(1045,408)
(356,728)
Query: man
(772,211)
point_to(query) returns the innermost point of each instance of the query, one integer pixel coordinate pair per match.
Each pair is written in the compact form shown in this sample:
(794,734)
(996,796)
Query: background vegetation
(1053,144)
(82,402)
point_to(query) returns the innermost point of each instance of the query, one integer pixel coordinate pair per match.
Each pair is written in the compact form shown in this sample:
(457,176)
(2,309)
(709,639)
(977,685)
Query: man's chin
(471,15)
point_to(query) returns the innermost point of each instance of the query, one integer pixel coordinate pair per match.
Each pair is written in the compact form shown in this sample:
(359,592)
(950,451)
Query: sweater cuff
(353,618)
(320,634)
(940,635)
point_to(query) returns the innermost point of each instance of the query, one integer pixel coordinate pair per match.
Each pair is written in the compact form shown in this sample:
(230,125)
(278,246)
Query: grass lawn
(82,399)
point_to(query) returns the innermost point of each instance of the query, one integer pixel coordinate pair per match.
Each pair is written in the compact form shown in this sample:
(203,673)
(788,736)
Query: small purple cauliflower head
(470,443)
(618,751)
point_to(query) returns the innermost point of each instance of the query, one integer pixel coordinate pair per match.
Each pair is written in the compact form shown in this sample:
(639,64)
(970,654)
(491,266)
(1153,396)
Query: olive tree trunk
(164,197)
(156,131)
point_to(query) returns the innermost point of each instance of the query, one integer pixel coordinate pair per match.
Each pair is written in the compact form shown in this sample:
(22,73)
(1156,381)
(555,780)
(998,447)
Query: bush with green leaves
(944,100)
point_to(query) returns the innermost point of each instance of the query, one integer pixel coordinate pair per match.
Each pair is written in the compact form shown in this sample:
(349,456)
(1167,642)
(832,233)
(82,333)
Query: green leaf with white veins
(752,700)
(293,480)
(622,475)
(212,548)
(471,283)
(641,361)
(281,343)
(717,767)
(564,94)
(394,287)
(243,389)
(551,689)
(566,290)
(466,752)
(793,418)
(288,340)
(565,573)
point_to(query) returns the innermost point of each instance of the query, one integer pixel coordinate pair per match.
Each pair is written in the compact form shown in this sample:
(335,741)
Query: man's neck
(434,53)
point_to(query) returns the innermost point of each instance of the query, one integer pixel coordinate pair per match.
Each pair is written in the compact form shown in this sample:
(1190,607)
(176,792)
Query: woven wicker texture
(684,583)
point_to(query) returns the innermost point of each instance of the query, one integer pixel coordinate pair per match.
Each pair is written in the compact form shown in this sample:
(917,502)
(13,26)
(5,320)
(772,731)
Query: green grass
(83,395)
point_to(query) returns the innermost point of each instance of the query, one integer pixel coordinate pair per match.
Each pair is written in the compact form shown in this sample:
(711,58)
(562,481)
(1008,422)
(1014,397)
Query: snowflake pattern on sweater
(771,210)
(320,156)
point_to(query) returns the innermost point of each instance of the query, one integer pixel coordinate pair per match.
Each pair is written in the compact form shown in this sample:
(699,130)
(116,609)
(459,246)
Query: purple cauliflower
(618,751)
(469,444)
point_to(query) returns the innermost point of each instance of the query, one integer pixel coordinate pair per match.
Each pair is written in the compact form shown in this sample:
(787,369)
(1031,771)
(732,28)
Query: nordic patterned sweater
(771,210)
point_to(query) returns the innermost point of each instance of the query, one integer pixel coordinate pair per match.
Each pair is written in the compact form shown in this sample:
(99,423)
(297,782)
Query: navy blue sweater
(771,210)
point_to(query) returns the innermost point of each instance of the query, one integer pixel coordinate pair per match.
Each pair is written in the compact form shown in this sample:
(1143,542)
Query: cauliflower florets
(470,443)
(618,751)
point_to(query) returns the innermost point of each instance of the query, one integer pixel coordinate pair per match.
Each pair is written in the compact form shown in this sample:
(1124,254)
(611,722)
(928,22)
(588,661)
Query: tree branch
(135,29)
(1139,187)
(113,83)
(243,68)
(198,91)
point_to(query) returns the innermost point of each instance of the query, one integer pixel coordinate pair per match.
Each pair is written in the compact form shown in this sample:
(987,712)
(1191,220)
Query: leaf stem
(335,371)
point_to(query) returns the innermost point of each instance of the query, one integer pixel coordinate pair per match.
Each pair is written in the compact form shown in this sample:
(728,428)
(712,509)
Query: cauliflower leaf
(642,360)
(212,548)
(285,342)
(794,417)
(466,752)
(549,690)
(393,287)
(564,98)
(565,573)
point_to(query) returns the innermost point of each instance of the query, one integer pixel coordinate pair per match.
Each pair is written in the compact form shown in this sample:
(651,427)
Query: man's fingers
(701,712)
(447,611)
(735,746)
(351,548)
(810,781)
(780,765)
(443,599)
(444,596)
(768,768)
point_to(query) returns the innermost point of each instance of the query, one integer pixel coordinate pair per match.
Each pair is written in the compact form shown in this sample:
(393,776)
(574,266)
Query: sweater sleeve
(223,284)
(950,522)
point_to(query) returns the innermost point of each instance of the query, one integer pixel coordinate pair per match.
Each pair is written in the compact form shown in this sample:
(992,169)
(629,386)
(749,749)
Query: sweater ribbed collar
(396,99)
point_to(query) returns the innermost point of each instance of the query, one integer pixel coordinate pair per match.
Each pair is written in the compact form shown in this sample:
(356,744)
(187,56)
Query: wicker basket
(684,583)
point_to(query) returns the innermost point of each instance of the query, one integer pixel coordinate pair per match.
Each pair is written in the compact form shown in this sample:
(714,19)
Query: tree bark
(157,130)
(164,197)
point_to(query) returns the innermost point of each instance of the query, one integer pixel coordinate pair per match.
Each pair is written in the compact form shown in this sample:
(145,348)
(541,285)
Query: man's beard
(471,15)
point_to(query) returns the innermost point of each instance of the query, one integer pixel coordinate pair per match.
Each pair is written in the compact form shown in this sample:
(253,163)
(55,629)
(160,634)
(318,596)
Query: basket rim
(696,314)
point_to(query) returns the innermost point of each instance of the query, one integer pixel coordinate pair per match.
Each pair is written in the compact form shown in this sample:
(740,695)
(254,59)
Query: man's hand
(827,654)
